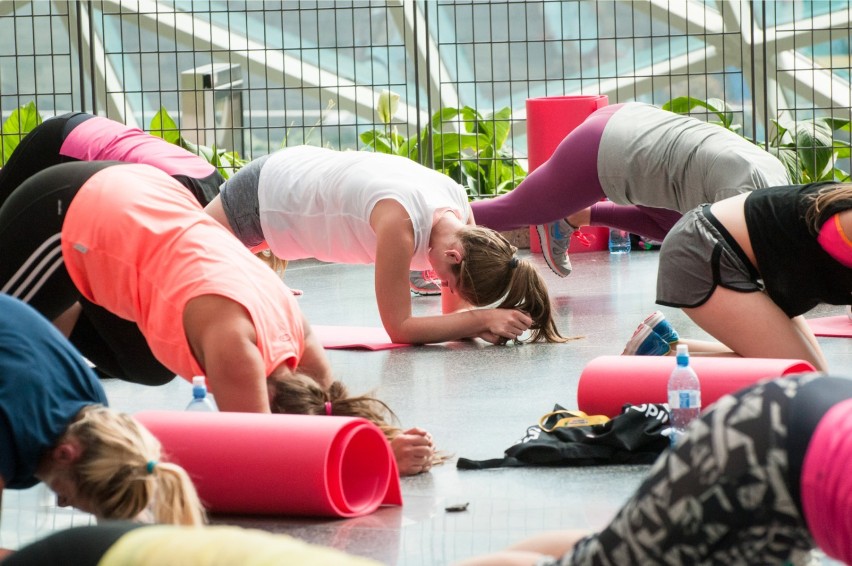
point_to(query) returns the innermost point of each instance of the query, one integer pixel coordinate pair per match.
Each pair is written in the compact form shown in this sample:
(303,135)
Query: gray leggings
(240,202)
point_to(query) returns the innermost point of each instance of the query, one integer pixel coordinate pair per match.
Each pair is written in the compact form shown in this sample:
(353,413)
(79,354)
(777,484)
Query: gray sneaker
(555,239)
(424,282)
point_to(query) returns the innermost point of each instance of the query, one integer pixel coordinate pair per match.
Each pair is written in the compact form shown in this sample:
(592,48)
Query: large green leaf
(502,125)
(377,141)
(19,123)
(842,149)
(838,175)
(442,117)
(814,145)
(163,126)
(837,124)
(472,120)
(451,145)
(790,159)
(685,104)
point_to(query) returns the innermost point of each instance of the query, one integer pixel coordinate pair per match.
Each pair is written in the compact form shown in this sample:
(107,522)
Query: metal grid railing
(256,75)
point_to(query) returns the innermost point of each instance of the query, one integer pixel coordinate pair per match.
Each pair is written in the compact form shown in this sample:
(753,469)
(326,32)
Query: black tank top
(797,272)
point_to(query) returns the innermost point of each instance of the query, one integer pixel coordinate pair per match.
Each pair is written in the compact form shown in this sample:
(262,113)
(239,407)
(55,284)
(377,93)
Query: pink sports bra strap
(834,241)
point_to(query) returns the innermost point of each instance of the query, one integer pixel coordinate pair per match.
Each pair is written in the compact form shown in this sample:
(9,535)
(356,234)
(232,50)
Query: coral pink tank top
(137,243)
(102,139)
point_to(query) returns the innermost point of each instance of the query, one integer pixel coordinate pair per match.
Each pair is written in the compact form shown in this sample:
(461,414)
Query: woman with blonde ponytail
(369,208)
(300,395)
(55,428)
(121,472)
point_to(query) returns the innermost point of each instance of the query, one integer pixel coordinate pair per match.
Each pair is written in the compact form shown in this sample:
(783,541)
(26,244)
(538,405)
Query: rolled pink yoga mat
(549,120)
(275,464)
(608,382)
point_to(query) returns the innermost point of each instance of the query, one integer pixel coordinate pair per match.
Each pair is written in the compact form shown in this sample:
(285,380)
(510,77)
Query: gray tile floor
(475,399)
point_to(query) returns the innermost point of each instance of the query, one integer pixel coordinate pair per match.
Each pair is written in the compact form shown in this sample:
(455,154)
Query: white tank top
(316,202)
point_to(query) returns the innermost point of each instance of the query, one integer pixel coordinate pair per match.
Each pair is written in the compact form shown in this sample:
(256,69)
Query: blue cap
(682,355)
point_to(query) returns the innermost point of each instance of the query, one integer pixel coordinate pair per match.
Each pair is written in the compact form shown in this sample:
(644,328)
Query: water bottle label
(690,399)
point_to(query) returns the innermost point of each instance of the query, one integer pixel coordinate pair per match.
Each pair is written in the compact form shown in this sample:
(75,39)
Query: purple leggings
(567,183)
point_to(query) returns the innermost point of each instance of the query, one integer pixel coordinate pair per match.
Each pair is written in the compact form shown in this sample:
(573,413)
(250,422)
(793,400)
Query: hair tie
(328,407)
(513,263)
(149,467)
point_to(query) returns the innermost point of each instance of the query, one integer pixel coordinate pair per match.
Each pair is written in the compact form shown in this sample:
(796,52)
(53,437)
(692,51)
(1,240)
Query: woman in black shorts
(747,268)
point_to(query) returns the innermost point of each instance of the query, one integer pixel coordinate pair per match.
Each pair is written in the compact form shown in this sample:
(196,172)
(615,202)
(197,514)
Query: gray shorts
(698,255)
(239,199)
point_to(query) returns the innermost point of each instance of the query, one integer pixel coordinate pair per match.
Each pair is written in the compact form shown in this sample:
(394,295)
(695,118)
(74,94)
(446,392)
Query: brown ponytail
(299,394)
(120,471)
(823,200)
(490,273)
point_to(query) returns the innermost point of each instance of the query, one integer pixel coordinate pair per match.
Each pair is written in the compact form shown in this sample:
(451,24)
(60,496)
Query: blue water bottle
(619,241)
(201,401)
(684,394)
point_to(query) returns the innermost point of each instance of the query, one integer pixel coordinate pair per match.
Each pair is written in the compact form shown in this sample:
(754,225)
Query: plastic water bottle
(201,401)
(684,394)
(619,241)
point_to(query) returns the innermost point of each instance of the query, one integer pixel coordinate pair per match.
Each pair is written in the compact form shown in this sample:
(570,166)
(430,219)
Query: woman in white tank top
(363,207)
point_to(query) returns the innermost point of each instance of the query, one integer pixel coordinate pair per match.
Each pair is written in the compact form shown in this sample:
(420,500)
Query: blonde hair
(299,394)
(120,471)
(824,199)
(490,272)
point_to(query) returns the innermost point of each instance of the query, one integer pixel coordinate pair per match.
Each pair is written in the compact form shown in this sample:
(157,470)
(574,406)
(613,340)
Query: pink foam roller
(549,120)
(280,464)
(608,382)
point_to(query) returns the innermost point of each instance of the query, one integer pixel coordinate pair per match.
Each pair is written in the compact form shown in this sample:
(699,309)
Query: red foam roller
(275,464)
(549,120)
(608,382)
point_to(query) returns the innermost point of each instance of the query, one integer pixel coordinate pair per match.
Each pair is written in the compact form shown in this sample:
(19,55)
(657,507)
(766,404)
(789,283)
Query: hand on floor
(413,450)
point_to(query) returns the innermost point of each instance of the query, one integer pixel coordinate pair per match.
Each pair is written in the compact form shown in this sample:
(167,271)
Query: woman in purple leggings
(652,165)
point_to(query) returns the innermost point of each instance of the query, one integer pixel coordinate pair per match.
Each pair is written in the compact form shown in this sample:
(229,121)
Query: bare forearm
(433,329)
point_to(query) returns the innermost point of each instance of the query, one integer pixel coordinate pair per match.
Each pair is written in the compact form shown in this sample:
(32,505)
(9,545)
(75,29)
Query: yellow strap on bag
(570,419)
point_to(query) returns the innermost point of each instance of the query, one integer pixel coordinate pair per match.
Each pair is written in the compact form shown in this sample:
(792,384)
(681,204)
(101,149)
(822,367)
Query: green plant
(163,126)
(17,125)
(474,155)
(808,148)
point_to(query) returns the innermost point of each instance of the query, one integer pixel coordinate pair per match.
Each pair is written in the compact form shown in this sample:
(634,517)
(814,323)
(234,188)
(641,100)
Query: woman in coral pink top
(133,241)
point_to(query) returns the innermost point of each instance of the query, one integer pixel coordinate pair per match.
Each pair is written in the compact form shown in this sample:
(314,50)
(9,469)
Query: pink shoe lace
(584,238)
(430,275)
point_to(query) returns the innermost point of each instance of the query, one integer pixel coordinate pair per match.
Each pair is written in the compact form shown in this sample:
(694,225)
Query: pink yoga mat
(549,120)
(272,464)
(608,382)
(832,326)
(354,338)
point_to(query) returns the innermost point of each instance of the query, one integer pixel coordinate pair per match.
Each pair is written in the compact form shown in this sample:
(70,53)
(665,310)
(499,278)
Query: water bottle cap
(682,355)
(199,388)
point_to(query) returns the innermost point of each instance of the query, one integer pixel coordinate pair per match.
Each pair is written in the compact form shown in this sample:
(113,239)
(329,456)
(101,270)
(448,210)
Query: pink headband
(328,407)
